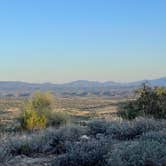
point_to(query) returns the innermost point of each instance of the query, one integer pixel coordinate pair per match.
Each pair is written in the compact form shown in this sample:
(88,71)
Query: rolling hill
(75,88)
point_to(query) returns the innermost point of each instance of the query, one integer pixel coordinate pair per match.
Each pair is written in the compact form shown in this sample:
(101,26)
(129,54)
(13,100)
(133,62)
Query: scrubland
(95,133)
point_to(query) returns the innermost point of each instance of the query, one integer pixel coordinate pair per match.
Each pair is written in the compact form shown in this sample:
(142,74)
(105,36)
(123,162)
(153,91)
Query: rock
(84,138)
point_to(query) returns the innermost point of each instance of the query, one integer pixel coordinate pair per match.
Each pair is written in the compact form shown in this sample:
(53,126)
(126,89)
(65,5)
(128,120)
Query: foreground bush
(30,120)
(91,153)
(138,153)
(150,102)
(48,141)
(125,130)
(38,113)
(101,143)
(159,136)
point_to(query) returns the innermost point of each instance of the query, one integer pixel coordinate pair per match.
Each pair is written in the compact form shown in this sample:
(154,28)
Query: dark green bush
(129,110)
(150,102)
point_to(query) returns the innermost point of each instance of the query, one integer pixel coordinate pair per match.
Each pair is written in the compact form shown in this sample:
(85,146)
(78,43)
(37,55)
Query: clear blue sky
(64,40)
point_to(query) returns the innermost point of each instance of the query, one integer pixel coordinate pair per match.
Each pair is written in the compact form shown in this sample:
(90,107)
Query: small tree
(150,102)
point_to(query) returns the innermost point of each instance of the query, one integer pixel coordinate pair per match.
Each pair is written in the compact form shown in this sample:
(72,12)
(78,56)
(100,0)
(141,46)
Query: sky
(104,40)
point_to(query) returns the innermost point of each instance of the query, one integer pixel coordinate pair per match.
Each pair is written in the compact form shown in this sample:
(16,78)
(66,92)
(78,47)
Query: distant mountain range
(86,83)
(75,88)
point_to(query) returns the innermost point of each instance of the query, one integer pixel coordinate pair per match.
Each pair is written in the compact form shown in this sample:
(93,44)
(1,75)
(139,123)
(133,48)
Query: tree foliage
(36,111)
(150,102)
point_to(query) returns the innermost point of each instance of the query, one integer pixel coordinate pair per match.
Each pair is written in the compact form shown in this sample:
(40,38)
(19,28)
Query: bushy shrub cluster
(100,143)
(59,140)
(150,102)
(138,153)
(125,130)
(38,113)
(88,153)
(31,120)
(119,143)
(48,141)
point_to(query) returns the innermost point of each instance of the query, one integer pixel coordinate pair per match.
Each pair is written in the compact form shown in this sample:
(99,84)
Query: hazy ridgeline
(80,88)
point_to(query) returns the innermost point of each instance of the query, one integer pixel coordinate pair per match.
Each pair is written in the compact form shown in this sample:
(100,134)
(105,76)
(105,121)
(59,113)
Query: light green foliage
(31,120)
(42,103)
(37,113)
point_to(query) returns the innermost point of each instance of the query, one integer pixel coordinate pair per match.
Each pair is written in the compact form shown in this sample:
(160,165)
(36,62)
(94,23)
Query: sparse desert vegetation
(83,131)
(99,142)
(83,83)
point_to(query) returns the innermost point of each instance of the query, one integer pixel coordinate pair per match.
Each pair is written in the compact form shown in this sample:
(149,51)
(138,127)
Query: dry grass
(79,108)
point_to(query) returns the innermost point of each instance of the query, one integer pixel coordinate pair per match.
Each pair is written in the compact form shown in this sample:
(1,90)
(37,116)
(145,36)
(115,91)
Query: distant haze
(62,41)
(80,88)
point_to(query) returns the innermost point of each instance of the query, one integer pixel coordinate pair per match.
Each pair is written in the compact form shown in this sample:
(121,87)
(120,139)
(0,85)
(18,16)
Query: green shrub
(129,110)
(36,111)
(150,102)
(30,120)
(42,103)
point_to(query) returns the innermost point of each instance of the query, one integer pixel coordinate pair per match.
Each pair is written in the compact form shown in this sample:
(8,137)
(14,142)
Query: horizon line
(47,82)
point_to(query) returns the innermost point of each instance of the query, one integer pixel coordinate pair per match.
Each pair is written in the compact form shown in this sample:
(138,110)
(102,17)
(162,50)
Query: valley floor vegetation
(136,138)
